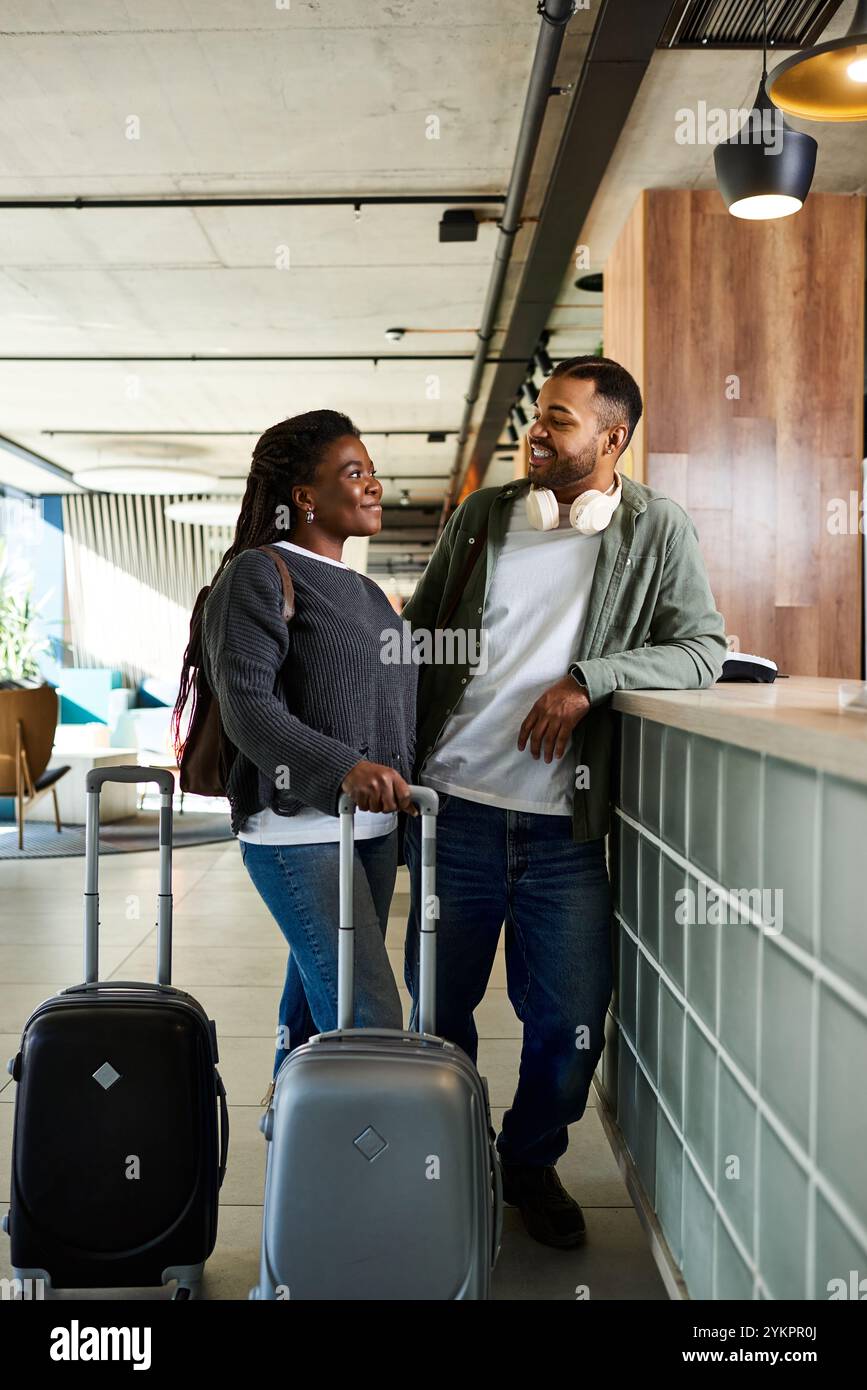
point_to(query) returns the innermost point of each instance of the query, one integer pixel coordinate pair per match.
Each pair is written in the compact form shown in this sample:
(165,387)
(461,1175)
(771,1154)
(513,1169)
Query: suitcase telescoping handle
(428,803)
(93,785)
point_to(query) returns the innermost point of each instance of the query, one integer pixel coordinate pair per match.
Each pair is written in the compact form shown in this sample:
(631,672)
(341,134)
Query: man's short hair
(617,397)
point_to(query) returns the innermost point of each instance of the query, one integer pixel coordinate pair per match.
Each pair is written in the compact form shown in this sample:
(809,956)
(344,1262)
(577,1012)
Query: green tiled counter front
(736,1056)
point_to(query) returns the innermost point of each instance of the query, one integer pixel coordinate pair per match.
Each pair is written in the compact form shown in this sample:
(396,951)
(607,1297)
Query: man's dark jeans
(495,867)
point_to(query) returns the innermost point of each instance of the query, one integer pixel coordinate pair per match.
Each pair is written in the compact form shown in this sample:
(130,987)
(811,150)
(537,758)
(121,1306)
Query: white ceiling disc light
(145,481)
(204,513)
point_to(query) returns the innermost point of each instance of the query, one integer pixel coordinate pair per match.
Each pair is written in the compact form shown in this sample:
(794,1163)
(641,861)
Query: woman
(313,711)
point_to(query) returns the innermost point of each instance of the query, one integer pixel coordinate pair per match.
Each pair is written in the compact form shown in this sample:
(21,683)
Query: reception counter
(734,1076)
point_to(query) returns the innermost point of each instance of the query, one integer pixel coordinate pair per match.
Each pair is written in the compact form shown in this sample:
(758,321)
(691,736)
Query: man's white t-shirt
(532,626)
(309,826)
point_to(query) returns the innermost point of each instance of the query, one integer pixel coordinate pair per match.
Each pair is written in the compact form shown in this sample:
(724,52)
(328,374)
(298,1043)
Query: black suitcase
(116,1158)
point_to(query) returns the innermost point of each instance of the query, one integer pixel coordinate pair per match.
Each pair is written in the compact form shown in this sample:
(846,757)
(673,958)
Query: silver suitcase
(382,1177)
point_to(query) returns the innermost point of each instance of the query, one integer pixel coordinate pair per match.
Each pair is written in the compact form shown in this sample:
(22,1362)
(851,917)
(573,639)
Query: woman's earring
(309,517)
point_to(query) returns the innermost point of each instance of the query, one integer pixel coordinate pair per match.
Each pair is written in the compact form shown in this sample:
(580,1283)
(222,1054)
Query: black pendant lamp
(827,82)
(771,176)
(766,169)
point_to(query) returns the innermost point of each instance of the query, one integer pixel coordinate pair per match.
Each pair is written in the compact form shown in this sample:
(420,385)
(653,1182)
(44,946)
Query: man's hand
(555,714)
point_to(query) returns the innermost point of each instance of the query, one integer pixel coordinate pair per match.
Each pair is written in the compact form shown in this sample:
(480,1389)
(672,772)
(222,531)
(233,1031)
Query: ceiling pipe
(350,200)
(555,16)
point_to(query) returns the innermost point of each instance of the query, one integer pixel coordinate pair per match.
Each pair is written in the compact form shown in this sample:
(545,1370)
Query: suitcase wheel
(186,1291)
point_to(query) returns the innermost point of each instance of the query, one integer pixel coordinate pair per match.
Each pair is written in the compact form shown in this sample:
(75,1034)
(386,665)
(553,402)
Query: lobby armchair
(28,719)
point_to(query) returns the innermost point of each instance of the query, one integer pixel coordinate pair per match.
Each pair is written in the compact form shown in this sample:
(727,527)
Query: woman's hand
(374,787)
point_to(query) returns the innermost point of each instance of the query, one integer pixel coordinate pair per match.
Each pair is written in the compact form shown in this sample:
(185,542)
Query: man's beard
(572,469)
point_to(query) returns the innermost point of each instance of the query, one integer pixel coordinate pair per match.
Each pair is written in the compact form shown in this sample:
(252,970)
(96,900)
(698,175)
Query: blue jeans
(299,884)
(496,866)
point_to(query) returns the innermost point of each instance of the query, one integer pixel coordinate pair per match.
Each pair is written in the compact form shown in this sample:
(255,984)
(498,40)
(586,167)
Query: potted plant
(20,644)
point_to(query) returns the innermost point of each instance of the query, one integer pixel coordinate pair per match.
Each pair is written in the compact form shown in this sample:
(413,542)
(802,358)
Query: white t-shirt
(309,826)
(532,625)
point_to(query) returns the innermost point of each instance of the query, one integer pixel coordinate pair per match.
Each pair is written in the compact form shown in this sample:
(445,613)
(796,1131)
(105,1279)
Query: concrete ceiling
(237,99)
(233,98)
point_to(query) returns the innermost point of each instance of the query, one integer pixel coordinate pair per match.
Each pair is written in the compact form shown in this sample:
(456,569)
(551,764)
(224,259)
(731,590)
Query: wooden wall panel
(837,617)
(623,332)
(714,526)
(671,472)
(752,371)
(707,355)
(753,556)
(797,298)
(666,382)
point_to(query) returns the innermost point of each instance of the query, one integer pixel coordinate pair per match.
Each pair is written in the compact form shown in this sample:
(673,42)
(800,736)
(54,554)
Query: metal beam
(621,47)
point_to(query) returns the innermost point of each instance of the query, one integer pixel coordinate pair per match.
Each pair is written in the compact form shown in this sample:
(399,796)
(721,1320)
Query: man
(519,745)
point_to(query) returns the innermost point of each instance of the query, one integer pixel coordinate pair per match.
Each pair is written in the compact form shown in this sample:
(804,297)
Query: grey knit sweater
(304,702)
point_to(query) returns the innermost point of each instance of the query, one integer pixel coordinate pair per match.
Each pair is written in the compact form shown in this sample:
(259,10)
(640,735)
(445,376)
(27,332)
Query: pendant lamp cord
(764,39)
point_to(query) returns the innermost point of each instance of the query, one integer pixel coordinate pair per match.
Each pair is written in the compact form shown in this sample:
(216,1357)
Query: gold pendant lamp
(827,82)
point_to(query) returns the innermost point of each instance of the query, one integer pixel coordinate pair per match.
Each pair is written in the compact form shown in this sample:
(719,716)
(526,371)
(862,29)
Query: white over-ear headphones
(589,514)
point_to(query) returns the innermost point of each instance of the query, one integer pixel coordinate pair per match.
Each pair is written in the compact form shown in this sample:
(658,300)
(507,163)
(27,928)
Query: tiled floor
(229,954)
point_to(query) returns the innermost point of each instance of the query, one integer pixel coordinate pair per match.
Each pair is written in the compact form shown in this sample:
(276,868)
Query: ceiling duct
(738,23)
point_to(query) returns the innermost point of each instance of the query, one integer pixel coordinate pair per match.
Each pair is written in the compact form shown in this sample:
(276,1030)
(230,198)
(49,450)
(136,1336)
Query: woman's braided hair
(285,456)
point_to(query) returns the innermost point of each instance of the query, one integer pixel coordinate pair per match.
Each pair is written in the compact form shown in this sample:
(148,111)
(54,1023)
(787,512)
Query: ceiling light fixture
(200,512)
(143,481)
(459,224)
(591,284)
(394,335)
(404,498)
(829,81)
(542,360)
(765,170)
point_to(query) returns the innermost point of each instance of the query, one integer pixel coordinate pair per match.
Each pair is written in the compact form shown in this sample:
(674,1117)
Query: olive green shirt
(651,623)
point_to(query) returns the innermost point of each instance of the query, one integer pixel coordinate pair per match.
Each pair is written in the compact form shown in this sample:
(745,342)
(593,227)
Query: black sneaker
(550,1215)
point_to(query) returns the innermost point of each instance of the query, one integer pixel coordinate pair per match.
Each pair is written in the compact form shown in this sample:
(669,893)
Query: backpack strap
(285,580)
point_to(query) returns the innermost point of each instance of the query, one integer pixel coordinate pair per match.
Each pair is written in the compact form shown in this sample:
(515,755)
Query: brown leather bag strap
(475,552)
(285,580)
